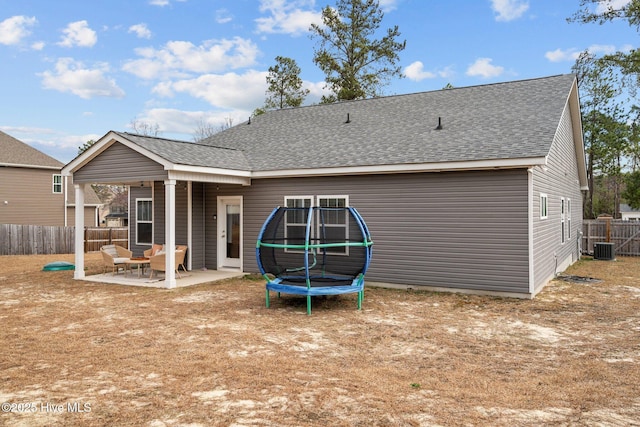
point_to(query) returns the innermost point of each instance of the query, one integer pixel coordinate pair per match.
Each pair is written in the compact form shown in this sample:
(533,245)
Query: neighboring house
(33,190)
(475,189)
(628,213)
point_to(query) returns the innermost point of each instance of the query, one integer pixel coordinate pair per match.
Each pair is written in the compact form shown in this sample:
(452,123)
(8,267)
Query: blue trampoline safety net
(314,247)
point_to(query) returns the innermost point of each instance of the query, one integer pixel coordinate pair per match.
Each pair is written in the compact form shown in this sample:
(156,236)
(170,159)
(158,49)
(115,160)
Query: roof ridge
(397,95)
(181,141)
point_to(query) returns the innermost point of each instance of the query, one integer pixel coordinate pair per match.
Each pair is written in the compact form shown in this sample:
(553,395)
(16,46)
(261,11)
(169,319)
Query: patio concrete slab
(188,278)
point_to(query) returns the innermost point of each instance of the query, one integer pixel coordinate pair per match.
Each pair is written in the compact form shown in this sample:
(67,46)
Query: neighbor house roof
(16,153)
(626,208)
(509,124)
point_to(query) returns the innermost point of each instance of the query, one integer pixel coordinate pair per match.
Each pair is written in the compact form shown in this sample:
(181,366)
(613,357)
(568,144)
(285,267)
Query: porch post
(170,233)
(79,243)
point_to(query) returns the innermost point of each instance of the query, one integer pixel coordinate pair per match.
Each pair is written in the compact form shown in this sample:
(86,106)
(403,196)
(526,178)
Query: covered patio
(184,205)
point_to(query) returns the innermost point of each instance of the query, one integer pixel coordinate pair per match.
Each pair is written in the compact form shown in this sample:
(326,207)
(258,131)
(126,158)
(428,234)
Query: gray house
(475,189)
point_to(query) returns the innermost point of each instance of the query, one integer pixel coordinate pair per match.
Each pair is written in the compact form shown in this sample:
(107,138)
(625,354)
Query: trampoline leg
(267,298)
(309,304)
(360,298)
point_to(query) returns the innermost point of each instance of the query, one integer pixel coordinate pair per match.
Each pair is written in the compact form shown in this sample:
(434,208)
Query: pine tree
(356,64)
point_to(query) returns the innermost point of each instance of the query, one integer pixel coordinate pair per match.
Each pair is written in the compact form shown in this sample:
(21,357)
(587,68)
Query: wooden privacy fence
(42,239)
(96,237)
(625,235)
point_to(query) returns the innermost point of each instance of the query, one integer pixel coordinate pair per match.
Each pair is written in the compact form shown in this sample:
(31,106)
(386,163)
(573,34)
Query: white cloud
(483,68)
(605,5)
(38,45)
(72,76)
(223,16)
(186,122)
(229,91)
(16,28)
(162,3)
(179,58)
(416,72)
(141,31)
(388,5)
(78,34)
(508,10)
(560,55)
(287,17)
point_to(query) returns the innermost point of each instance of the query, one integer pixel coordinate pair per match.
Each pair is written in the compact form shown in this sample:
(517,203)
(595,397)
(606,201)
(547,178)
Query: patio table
(140,262)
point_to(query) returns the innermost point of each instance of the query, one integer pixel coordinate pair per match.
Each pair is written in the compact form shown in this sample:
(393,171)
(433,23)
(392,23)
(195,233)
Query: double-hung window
(296,219)
(563,235)
(569,219)
(144,221)
(544,206)
(333,226)
(57,184)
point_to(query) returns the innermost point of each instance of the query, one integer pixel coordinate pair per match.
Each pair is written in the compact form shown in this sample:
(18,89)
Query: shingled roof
(190,153)
(14,152)
(496,121)
(502,121)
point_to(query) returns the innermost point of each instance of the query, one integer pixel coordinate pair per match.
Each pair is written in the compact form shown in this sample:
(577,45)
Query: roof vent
(439,127)
(348,119)
(249,122)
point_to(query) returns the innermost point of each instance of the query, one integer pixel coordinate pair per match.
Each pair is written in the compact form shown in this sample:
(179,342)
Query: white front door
(230,232)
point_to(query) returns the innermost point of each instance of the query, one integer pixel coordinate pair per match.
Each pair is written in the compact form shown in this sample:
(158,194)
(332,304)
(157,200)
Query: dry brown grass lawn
(213,355)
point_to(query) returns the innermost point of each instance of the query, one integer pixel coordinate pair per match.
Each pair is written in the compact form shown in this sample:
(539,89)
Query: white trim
(54,184)
(406,168)
(66,200)
(530,230)
(101,145)
(177,169)
(20,165)
(211,175)
(170,233)
(189,223)
(143,199)
(243,177)
(79,237)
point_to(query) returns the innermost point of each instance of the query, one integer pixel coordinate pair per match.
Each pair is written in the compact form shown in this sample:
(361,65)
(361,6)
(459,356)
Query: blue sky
(72,70)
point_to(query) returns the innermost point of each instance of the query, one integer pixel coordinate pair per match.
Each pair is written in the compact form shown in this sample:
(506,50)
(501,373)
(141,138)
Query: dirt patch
(80,353)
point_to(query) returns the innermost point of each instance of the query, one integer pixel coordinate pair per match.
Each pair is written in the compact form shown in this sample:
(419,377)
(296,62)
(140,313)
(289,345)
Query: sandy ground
(89,354)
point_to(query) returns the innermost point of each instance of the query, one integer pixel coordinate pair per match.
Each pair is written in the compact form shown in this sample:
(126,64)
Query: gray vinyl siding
(29,197)
(181,211)
(211,226)
(558,181)
(198,237)
(119,163)
(465,230)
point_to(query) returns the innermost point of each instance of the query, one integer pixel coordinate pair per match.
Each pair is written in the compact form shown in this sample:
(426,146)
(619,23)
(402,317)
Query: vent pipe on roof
(249,122)
(439,127)
(348,119)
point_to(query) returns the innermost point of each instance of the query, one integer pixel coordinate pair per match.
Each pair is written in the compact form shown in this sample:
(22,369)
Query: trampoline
(314,251)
